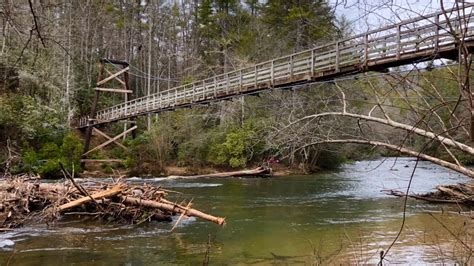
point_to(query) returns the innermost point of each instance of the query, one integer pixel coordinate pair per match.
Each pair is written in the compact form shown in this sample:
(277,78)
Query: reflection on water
(337,216)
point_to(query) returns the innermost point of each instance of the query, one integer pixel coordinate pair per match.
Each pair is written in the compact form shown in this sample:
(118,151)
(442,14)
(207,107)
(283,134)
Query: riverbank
(99,171)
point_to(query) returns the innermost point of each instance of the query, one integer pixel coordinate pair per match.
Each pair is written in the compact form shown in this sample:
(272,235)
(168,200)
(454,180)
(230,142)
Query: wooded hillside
(49,64)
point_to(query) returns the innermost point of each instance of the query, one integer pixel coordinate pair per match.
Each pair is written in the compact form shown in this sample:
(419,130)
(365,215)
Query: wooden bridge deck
(415,40)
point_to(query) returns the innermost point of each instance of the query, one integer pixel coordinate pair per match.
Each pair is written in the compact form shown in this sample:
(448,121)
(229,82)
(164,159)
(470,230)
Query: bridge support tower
(118,76)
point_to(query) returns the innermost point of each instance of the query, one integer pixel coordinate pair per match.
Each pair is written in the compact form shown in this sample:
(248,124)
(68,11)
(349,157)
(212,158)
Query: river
(336,217)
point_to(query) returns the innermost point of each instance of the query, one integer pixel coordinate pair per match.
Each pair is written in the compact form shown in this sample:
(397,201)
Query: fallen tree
(464,170)
(458,194)
(259,171)
(27,200)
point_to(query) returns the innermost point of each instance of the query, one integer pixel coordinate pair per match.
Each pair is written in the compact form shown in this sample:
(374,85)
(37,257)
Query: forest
(323,134)
(49,63)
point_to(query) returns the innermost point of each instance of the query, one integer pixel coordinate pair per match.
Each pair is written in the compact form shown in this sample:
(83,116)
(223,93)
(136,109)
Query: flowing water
(328,217)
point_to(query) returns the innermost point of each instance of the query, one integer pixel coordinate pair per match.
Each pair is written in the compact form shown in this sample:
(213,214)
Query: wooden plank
(109,138)
(116,78)
(113,76)
(113,90)
(110,141)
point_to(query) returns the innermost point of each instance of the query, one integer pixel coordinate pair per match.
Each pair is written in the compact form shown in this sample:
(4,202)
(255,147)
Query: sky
(365,15)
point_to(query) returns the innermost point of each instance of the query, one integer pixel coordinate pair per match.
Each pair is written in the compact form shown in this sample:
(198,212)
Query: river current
(330,217)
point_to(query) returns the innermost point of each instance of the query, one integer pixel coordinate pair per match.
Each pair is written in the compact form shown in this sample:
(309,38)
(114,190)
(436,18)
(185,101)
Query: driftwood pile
(459,194)
(25,200)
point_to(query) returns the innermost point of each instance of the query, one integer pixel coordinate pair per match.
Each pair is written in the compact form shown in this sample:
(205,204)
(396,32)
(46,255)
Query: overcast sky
(370,14)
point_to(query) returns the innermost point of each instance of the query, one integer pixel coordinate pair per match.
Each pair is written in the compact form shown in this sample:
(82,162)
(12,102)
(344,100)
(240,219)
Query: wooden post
(255,76)
(227,83)
(436,46)
(160,100)
(399,45)
(215,87)
(90,122)
(175,96)
(240,80)
(291,67)
(366,50)
(126,99)
(272,73)
(337,57)
(114,112)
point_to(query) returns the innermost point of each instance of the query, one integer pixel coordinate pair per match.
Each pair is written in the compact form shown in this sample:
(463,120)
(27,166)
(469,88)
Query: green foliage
(240,145)
(300,23)
(195,151)
(25,118)
(330,159)
(46,160)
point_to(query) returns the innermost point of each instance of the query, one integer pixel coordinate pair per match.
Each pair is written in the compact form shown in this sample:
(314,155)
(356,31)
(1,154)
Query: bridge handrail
(355,42)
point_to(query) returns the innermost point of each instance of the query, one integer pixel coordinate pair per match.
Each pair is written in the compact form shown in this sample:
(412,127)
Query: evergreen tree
(299,23)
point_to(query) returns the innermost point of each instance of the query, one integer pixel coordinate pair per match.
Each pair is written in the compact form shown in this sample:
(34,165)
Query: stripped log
(95,130)
(113,76)
(175,208)
(110,140)
(259,171)
(99,195)
(113,90)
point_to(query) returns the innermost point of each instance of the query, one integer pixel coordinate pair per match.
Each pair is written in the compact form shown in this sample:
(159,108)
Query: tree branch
(36,23)
(406,151)
(392,123)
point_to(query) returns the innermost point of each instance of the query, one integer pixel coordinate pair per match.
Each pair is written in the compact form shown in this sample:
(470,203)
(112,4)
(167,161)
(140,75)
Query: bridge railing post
(240,80)
(366,49)
(312,62)
(255,76)
(160,100)
(227,83)
(272,73)
(399,44)
(215,87)
(337,57)
(175,96)
(291,67)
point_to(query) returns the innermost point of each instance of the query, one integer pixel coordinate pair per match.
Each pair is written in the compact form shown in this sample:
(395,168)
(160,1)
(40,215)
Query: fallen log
(459,194)
(99,195)
(259,171)
(174,208)
(401,194)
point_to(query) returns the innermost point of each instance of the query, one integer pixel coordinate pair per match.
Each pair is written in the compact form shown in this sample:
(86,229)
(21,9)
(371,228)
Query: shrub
(46,161)
(240,145)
